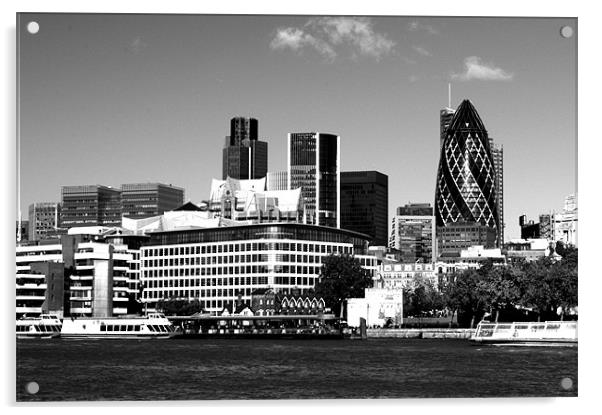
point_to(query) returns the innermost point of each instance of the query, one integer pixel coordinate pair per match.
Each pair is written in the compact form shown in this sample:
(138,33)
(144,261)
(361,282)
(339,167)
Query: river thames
(288,369)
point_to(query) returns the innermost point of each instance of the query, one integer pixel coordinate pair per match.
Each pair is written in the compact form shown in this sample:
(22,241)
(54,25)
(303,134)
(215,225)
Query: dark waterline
(288,369)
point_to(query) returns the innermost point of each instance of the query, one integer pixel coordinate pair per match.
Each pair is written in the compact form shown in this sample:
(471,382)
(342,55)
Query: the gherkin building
(465,189)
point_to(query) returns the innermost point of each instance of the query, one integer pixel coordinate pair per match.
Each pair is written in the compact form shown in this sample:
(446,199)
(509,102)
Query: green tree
(177,307)
(467,295)
(341,277)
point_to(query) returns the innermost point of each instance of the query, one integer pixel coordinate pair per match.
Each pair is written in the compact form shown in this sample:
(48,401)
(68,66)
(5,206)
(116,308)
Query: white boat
(152,326)
(527,334)
(45,326)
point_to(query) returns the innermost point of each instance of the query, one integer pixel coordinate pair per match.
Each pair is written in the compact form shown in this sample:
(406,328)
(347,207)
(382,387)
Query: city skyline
(161,94)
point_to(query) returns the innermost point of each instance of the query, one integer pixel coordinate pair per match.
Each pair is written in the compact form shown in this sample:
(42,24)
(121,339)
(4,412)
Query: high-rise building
(244,155)
(458,236)
(277,180)
(314,166)
(466,178)
(44,220)
(497,152)
(90,205)
(445,117)
(413,233)
(364,204)
(143,200)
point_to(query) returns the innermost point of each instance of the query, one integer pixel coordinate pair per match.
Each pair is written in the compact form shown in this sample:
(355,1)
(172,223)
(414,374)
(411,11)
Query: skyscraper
(466,179)
(44,220)
(314,165)
(143,200)
(497,152)
(445,117)
(413,233)
(364,204)
(244,155)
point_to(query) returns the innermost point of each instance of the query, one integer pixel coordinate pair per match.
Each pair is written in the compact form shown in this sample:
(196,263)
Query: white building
(379,306)
(565,222)
(398,275)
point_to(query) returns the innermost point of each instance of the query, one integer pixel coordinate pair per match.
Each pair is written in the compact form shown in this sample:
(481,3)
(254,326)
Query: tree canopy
(341,277)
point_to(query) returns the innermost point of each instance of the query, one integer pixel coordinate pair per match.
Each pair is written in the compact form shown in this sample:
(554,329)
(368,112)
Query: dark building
(535,230)
(413,233)
(314,166)
(415,209)
(143,200)
(364,204)
(445,117)
(44,220)
(22,231)
(244,155)
(461,235)
(91,205)
(497,152)
(466,178)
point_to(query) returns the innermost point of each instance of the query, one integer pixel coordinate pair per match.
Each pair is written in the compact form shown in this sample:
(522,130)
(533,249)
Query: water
(287,369)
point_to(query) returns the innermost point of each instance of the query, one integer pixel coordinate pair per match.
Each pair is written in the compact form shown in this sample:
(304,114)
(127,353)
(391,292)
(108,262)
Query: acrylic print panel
(295,207)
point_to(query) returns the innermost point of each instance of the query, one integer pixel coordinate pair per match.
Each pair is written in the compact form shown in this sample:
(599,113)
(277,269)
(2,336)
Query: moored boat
(152,326)
(46,326)
(527,334)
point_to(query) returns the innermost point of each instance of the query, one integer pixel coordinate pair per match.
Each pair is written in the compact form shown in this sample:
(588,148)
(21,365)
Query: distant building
(44,220)
(22,231)
(379,307)
(413,233)
(277,180)
(314,166)
(497,154)
(405,276)
(527,249)
(143,200)
(565,222)
(466,177)
(244,155)
(455,237)
(445,117)
(90,205)
(364,204)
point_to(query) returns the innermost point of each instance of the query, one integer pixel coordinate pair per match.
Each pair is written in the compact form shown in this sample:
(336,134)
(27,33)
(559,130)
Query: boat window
(130,328)
(123,327)
(136,328)
(110,327)
(103,327)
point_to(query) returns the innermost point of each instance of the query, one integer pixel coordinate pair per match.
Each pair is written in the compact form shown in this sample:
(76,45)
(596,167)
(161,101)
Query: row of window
(234,259)
(242,247)
(208,282)
(232,270)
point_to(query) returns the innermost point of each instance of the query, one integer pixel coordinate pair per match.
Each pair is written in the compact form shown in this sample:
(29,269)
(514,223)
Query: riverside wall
(420,333)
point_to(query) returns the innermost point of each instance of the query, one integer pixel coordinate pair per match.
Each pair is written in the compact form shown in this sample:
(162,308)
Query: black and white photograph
(218,207)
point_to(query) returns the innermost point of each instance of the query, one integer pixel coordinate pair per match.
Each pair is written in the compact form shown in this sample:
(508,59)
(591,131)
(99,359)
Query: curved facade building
(466,190)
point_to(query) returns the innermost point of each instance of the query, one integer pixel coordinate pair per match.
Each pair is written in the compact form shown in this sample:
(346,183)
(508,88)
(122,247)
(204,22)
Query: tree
(467,295)
(176,307)
(341,277)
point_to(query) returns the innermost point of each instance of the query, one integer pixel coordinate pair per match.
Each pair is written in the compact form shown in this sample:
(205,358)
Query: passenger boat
(152,326)
(527,334)
(46,326)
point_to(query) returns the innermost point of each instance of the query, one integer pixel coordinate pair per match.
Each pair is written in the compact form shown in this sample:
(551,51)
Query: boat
(46,326)
(549,333)
(151,326)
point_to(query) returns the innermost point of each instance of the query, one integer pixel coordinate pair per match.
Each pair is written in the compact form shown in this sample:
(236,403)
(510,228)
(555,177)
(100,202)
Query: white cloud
(415,25)
(422,51)
(324,34)
(475,68)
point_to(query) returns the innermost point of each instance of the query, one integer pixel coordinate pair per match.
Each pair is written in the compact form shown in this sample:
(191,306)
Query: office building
(364,204)
(314,166)
(277,180)
(445,117)
(90,205)
(44,220)
(565,222)
(466,179)
(413,233)
(244,155)
(22,231)
(456,236)
(497,154)
(143,200)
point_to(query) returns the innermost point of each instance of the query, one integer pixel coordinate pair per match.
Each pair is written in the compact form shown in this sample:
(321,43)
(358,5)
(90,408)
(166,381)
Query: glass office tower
(244,155)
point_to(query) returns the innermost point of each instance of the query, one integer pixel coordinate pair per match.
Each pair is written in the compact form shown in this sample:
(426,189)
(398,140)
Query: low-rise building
(379,307)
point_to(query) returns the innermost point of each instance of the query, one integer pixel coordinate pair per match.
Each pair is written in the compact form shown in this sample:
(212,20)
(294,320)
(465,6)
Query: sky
(112,99)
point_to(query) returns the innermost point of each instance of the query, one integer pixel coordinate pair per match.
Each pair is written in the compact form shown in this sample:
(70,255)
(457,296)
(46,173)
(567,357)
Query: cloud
(415,25)
(136,45)
(422,51)
(475,68)
(329,36)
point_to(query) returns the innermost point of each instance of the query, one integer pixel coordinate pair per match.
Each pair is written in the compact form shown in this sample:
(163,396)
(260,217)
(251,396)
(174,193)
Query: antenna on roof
(449,95)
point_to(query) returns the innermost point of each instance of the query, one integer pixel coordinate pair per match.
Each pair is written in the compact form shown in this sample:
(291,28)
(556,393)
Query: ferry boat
(548,333)
(46,326)
(152,326)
